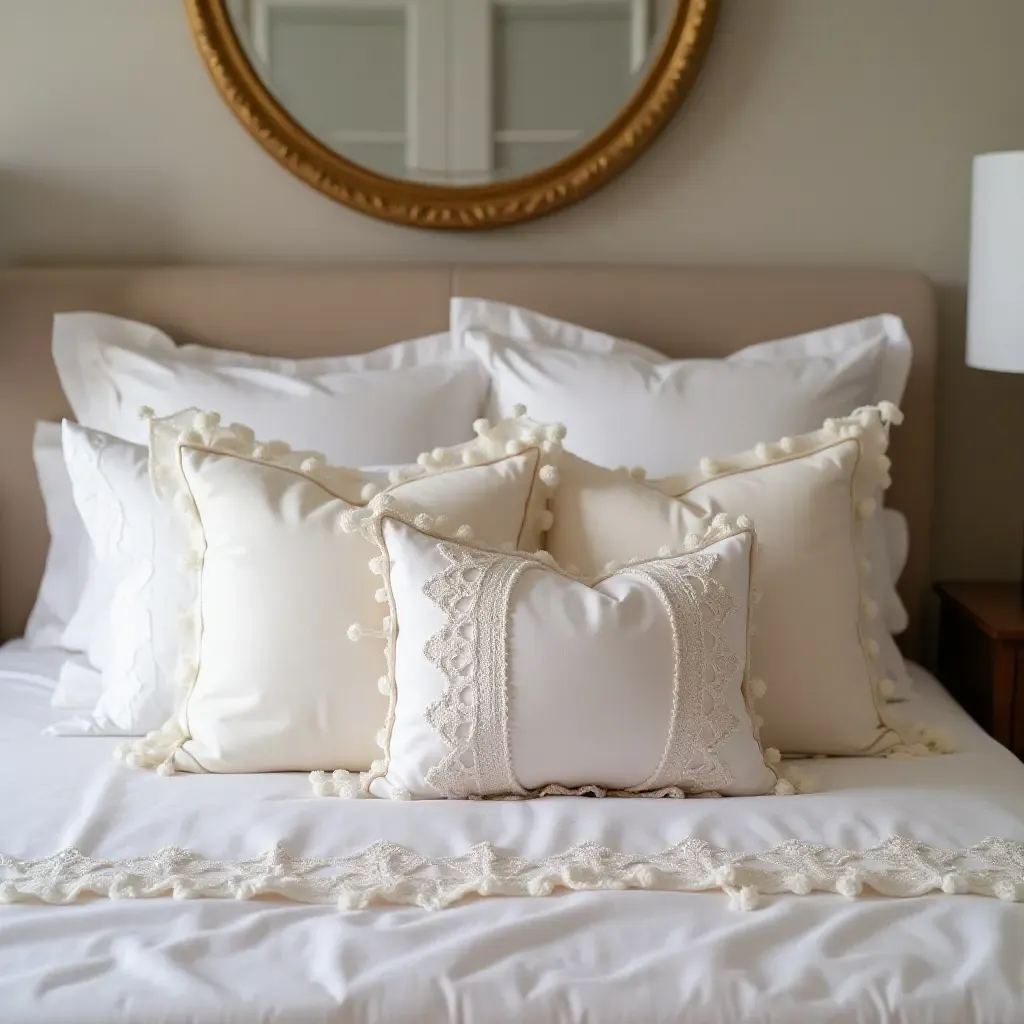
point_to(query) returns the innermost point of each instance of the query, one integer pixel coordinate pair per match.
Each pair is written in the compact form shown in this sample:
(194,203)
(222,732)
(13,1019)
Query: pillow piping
(868,427)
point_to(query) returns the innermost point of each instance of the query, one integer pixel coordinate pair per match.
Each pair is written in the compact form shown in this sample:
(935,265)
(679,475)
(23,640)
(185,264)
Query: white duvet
(572,956)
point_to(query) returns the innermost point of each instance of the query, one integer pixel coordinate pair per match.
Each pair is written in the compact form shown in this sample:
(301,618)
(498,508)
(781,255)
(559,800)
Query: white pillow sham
(79,687)
(110,367)
(67,560)
(133,594)
(625,404)
(267,679)
(508,677)
(821,645)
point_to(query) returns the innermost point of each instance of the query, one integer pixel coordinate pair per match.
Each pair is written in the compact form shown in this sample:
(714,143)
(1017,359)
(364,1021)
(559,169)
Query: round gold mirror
(453,113)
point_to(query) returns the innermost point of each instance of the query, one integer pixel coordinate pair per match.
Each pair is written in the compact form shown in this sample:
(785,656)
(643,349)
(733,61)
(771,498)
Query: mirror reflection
(453,92)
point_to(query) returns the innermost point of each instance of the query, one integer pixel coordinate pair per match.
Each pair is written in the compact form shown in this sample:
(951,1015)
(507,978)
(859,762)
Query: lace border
(386,873)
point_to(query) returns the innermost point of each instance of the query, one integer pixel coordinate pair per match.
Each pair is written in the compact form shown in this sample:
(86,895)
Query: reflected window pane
(561,66)
(512,160)
(340,70)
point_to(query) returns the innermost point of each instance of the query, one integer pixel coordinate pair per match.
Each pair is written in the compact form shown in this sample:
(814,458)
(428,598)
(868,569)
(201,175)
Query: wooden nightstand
(981,655)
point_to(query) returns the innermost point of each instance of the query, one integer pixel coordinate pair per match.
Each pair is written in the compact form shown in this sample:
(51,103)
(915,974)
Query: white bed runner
(389,873)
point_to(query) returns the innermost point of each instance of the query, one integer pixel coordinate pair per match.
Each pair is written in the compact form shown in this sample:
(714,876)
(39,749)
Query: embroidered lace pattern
(697,606)
(386,873)
(471,650)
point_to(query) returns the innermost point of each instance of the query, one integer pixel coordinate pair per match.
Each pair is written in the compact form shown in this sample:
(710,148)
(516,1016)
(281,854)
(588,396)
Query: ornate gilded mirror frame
(415,204)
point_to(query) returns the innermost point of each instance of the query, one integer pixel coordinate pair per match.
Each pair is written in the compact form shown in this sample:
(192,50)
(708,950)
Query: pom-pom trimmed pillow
(269,680)
(669,413)
(820,639)
(509,678)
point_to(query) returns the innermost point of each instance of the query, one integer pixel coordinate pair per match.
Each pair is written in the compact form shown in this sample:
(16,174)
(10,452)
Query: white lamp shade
(995,301)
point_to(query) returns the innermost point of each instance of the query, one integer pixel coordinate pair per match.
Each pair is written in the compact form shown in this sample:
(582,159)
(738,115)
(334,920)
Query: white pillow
(268,680)
(536,329)
(510,678)
(820,636)
(78,688)
(897,550)
(624,404)
(67,561)
(109,368)
(132,595)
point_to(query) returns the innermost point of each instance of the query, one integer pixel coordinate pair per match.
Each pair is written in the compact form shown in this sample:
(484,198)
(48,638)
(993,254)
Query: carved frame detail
(411,203)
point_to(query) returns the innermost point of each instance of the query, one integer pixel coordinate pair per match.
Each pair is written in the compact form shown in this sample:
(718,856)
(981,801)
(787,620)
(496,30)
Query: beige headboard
(308,312)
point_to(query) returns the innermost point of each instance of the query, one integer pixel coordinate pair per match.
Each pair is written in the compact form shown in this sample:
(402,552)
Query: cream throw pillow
(818,642)
(510,678)
(270,681)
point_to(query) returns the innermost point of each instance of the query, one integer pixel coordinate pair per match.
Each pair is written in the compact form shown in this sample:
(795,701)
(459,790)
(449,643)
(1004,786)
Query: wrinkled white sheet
(609,956)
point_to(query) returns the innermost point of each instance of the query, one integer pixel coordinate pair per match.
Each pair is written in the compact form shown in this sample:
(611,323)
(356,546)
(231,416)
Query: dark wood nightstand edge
(958,592)
(981,664)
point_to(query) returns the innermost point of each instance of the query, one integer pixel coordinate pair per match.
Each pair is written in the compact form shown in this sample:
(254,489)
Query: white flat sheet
(600,956)
(20,662)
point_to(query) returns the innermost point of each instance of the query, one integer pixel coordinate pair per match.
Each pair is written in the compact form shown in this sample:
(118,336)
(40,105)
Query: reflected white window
(451,91)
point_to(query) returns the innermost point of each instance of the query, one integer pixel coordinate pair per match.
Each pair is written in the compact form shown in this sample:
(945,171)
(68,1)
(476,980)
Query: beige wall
(821,132)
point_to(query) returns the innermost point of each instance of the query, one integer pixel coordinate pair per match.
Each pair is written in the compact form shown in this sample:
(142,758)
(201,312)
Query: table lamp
(995,298)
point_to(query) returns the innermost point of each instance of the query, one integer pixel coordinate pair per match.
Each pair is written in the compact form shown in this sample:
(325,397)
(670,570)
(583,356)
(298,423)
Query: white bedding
(588,956)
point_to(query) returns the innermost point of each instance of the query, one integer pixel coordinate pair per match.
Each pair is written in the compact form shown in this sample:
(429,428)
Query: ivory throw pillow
(820,635)
(269,680)
(109,367)
(508,677)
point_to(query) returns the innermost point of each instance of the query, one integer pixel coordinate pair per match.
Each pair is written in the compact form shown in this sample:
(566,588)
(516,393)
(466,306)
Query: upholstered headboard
(308,312)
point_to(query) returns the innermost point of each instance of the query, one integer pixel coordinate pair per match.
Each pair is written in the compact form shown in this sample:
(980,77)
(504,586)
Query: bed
(580,956)
(593,954)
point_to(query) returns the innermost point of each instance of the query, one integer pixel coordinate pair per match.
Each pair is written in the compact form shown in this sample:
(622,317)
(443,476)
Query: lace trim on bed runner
(387,873)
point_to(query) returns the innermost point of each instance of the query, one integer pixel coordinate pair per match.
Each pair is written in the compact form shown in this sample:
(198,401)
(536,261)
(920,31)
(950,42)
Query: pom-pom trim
(205,430)
(868,428)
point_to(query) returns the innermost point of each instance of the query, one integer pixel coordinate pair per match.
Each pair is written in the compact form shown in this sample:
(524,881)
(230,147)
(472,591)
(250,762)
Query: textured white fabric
(511,678)
(131,599)
(896,867)
(109,367)
(67,561)
(812,498)
(585,956)
(268,678)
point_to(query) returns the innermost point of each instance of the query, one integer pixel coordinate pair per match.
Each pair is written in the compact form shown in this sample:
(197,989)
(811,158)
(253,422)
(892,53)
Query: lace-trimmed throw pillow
(509,678)
(268,678)
(821,645)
